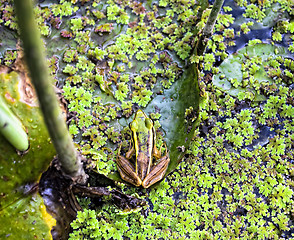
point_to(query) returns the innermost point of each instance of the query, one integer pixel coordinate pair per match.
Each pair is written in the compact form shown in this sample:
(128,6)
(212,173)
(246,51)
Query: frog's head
(141,122)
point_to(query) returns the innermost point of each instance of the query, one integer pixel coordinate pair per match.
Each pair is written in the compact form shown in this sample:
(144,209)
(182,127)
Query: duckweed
(236,181)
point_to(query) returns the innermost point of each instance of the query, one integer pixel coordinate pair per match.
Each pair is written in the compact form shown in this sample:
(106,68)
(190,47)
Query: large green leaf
(179,126)
(26,218)
(20,169)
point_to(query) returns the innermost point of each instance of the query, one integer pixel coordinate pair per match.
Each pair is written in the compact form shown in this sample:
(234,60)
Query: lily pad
(26,218)
(178,124)
(20,169)
(243,72)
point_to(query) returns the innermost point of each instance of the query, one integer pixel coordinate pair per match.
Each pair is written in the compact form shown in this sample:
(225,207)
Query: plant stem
(11,128)
(207,30)
(37,64)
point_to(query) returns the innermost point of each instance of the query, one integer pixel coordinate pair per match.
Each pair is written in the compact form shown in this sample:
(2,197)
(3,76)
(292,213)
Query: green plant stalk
(207,30)
(11,128)
(36,61)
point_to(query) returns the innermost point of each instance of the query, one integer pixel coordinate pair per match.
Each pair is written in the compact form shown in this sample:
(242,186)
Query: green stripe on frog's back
(143,140)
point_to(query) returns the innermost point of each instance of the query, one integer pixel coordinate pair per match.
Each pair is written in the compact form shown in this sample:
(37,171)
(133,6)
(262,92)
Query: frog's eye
(148,123)
(134,126)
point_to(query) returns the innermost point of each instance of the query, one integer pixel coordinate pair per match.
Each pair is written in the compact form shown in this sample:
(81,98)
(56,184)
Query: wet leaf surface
(26,218)
(18,169)
(178,126)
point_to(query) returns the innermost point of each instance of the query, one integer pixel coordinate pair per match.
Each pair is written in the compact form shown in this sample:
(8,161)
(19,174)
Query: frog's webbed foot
(130,152)
(157,153)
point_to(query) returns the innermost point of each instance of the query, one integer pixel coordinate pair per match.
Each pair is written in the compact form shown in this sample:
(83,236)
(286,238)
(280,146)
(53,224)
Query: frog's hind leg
(127,171)
(157,172)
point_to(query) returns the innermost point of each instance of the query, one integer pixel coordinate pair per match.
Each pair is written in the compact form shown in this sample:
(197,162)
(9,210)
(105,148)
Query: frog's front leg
(157,171)
(130,153)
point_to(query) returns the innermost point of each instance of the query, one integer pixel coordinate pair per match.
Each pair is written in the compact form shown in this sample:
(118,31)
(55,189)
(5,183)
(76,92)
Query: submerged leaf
(242,73)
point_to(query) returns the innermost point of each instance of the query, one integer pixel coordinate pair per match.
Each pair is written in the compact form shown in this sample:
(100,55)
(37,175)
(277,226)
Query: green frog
(145,172)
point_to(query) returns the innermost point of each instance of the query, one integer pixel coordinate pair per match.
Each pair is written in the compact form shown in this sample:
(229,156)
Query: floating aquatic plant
(236,181)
